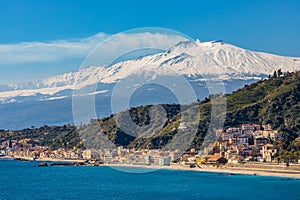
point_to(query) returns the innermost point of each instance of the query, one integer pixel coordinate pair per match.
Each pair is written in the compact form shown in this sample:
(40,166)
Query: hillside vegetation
(273,101)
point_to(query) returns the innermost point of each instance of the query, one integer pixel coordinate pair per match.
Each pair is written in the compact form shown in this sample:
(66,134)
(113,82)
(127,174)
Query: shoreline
(237,170)
(22,158)
(254,169)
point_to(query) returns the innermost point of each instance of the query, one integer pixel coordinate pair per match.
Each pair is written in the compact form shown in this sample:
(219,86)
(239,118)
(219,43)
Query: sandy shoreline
(237,169)
(261,169)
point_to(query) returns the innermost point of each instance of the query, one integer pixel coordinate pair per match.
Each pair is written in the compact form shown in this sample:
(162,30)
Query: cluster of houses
(27,149)
(140,157)
(249,142)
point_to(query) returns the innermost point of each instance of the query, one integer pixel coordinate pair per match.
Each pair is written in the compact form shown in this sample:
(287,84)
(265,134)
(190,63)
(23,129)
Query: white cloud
(120,44)
(59,50)
(31,52)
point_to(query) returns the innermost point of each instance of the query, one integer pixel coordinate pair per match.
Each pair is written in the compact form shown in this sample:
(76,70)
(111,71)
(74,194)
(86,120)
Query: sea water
(25,180)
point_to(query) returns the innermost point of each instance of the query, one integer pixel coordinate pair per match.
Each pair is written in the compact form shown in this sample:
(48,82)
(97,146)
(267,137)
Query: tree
(279,72)
(275,74)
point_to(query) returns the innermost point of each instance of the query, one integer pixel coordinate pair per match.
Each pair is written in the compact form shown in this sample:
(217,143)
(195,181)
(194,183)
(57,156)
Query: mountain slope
(274,101)
(195,61)
(185,58)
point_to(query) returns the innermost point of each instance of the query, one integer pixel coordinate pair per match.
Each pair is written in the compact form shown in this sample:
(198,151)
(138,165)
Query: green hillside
(273,101)
(51,136)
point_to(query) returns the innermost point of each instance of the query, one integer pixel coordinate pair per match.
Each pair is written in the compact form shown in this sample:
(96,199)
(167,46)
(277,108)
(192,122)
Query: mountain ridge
(197,62)
(215,50)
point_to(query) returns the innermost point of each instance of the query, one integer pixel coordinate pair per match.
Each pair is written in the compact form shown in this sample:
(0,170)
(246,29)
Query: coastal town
(247,143)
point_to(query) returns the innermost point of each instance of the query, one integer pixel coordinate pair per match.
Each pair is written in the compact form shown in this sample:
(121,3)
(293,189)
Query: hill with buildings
(273,101)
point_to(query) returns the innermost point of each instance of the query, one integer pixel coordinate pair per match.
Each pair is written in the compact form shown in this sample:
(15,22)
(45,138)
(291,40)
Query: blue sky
(270,26)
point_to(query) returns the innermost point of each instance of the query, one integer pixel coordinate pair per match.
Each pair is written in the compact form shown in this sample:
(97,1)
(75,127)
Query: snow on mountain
(49,101)
(186,58)
(231,59)
(195,58)
(63,80)
(189,58)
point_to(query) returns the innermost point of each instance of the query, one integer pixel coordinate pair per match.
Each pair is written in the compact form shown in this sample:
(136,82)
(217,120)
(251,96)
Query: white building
(147,159)
(164,161)
(87,154)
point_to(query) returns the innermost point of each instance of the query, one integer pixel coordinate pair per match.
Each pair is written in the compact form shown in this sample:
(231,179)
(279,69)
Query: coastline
(22,158)
(254,169)
(235,170)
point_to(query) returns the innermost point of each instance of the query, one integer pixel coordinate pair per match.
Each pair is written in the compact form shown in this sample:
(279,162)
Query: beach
(260,169)
(251,168)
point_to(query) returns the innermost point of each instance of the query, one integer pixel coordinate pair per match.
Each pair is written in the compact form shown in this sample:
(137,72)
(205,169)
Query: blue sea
(24,180)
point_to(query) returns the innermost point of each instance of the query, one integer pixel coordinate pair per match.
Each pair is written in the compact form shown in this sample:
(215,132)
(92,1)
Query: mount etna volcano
(49,101)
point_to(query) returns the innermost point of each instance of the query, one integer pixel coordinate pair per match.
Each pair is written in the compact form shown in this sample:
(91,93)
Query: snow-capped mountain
(193,60)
